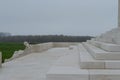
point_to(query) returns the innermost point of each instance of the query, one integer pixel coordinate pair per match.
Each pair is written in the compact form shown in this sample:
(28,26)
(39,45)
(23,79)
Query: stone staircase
(99,59)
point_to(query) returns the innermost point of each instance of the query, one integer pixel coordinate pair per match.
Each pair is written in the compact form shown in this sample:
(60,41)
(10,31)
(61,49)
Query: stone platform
(65,62)
(86,67)
(33,66)
(98,59)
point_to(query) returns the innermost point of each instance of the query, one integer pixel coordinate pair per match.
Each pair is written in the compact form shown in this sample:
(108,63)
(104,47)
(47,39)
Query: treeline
(45,38)
(5,34)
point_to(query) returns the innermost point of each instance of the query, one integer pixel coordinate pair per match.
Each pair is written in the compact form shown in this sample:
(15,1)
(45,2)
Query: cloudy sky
(50,17)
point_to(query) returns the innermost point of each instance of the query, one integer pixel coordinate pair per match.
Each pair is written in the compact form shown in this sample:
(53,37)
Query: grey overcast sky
(50,17)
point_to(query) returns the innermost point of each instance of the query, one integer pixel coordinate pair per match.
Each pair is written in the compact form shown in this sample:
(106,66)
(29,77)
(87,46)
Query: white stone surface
(70,59)
(33,66)
(95,43)
(106,46)
(60,64)
(17,53)
(45,46)
(104,74)
(67,73)
(117,37)
(115,64)
(38,48)
(111,36)
(100,54)
(64,44)
(87,61)
(67,68)
(41,47)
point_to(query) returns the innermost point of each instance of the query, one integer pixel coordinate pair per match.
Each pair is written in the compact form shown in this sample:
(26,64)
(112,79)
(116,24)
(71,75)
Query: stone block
(87,61)
(101,54)
(67,73)
(95,43)
(104,74)
(115,64)
(39,47)
(107,46)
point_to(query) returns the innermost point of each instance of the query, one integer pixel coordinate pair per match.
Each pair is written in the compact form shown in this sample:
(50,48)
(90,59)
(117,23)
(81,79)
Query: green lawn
(8,49)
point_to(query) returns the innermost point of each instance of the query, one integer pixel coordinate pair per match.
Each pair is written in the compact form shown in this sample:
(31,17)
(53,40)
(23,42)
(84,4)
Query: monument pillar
(118,13)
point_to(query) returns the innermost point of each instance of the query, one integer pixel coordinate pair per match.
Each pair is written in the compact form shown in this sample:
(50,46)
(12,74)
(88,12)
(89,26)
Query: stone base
(106,46)
(101,54)
(68,73)
(88,62)
(94,64)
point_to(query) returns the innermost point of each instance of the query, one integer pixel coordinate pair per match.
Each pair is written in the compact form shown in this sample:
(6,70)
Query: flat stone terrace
(36,65)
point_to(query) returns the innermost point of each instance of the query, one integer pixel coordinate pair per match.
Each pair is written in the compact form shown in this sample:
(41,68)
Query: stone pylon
(118,13)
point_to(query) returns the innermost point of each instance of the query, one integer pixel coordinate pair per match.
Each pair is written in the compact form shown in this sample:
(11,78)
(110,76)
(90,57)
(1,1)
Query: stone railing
(37,48)
(45,46)
(42,47)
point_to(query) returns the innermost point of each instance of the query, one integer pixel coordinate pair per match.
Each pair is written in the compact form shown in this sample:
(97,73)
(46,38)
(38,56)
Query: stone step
(88,62)
(104,74)
(106,46)
(101,54)
(68,73)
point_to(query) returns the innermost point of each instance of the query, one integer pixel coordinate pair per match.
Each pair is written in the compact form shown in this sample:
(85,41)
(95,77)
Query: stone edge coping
(68,73)
(106,46)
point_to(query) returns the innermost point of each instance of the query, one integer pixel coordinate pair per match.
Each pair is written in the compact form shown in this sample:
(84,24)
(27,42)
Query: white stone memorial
(96,59)
(99,59)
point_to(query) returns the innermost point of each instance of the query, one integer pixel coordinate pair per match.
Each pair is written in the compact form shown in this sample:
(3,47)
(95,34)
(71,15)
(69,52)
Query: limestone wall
(63,44)
(39,47)
(45,46)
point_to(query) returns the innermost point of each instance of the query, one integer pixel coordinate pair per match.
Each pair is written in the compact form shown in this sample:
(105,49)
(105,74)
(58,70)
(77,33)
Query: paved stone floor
(35,66)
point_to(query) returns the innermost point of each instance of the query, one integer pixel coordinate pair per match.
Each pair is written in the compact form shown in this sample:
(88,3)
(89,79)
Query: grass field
(8,49)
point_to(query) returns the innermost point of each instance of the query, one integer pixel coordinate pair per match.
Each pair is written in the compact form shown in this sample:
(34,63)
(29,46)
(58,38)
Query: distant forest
(44,38)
